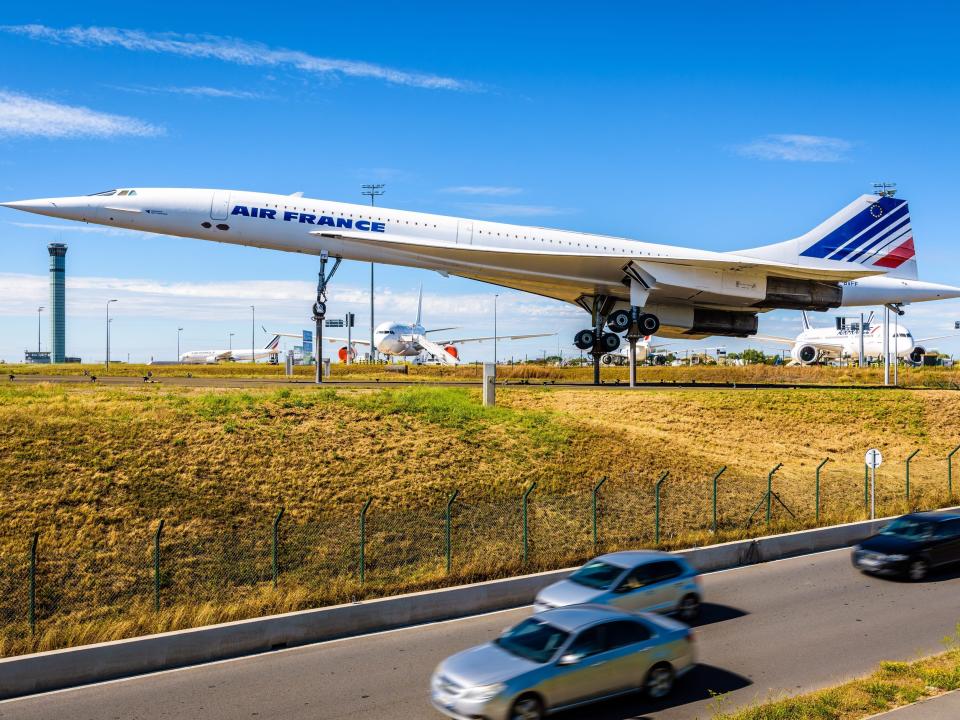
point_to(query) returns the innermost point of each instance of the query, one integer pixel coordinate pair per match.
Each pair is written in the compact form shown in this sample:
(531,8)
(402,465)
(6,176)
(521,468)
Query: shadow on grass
(703,682)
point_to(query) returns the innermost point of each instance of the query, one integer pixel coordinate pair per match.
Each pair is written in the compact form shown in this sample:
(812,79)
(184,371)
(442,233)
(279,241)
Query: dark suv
(911,545)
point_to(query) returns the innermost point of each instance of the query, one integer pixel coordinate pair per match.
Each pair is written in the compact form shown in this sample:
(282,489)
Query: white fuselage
(208,357)
(831,342)
(569,266)
(398,339)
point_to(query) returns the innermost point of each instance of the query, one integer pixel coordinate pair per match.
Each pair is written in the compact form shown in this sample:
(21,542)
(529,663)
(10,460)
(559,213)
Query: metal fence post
(950,471)
(526,495)
(593,508)
(909,458)
(770,489)
(716,477)
(156,566)
(33,583)
(656,497)
(449,549)
(819,468)
(363,539)
(274,545)
(866,487)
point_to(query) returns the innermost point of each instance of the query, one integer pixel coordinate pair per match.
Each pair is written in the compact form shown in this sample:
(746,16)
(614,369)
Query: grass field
(94,468)
(947,378)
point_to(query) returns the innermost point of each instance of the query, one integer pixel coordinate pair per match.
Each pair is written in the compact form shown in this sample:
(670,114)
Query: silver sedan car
(635,580)
(562,658)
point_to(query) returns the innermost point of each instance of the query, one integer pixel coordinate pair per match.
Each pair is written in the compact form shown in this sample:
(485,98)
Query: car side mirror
(569,659)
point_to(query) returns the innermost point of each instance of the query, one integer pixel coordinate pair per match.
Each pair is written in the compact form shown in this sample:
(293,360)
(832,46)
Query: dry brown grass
(946,378)
(93,469)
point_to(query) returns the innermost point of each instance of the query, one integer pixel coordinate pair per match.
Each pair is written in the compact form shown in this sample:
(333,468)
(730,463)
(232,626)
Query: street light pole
(253,334)
(230,342)
(39,310)
(107,361)
(373,191)
(179,330)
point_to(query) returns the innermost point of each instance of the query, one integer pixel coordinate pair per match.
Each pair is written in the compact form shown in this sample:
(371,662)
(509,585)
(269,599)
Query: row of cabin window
(362,217)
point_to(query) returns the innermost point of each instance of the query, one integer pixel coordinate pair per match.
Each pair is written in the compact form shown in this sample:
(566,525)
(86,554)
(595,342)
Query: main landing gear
(633,322)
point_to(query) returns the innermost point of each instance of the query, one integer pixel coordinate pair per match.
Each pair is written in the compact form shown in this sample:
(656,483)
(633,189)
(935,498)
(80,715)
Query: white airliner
(862,255)
(410,340)
(210,357)
(814,345)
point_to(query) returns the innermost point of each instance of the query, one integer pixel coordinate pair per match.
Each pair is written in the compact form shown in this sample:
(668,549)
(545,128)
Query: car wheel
(659,681)
(688,609)
(917,570)
(528,707)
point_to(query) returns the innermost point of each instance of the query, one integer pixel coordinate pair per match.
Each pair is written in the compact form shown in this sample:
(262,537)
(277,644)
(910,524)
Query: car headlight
(898,558)
(484,692)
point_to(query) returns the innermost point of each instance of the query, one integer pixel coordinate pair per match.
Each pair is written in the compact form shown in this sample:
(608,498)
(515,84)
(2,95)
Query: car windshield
(910,528)
(533,639)
(597,574)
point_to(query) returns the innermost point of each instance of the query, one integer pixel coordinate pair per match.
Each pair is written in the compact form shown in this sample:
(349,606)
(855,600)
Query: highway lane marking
(422,626)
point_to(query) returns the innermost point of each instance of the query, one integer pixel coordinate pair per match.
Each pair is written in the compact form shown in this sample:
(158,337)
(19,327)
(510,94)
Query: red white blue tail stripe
(878,236)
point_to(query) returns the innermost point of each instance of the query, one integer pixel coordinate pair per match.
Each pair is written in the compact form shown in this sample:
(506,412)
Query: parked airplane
(646,353)
(814,345)
(210,357)
(410,340)
(862,255)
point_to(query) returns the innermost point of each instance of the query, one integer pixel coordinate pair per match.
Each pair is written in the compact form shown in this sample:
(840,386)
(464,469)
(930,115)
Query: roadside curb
(55,669)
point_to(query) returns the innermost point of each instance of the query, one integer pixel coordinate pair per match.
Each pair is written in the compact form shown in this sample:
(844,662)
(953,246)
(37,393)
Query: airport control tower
(58,322)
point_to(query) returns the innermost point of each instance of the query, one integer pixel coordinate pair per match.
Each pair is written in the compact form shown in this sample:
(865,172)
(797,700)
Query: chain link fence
(112,582)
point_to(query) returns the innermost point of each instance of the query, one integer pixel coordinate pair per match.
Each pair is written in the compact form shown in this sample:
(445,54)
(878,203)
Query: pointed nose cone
(41,207)
(69,208)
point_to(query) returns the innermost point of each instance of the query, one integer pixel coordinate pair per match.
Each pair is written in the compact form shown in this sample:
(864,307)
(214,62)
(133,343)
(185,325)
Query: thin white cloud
(26,116)
(232,50)
(195,91)
(494,210)
(490,190)
(797,148)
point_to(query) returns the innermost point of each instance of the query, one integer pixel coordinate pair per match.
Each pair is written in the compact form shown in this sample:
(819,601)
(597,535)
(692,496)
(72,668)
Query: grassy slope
(93,469)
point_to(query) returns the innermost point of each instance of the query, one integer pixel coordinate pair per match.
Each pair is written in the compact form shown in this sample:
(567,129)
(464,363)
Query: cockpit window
(132,193)
(105,193)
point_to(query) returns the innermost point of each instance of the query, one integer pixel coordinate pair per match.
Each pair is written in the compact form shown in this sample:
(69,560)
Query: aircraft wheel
(585,339)
(619,321)
(649,324)
(610,342)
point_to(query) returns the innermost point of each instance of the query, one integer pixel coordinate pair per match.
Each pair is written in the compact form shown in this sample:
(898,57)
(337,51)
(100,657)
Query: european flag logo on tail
(878,235)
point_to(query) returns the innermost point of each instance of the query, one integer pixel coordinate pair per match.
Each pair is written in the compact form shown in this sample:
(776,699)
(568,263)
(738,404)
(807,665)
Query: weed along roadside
(279,500)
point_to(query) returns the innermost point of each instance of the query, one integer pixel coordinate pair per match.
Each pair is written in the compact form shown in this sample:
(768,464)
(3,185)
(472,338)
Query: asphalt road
(780,627)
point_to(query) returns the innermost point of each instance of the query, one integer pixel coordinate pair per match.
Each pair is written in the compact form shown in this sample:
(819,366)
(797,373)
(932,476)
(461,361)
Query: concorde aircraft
(862,255)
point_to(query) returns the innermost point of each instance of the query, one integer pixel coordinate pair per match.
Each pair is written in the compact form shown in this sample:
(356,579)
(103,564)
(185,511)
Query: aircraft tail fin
(420,304)
(273,344)
(873,231)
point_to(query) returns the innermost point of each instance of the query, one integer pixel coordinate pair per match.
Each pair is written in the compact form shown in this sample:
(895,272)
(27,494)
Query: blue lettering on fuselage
(309,219)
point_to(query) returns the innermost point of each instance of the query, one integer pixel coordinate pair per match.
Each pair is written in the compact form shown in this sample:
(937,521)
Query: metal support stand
(633,334)
(320,311)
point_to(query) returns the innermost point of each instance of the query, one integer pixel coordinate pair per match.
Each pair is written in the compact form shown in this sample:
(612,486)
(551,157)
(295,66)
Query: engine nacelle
(916,355)
(805,354)
(707,321)
(794,294)
(452,351)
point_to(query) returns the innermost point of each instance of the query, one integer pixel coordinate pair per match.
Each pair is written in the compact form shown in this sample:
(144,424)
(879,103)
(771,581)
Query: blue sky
(709,125)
